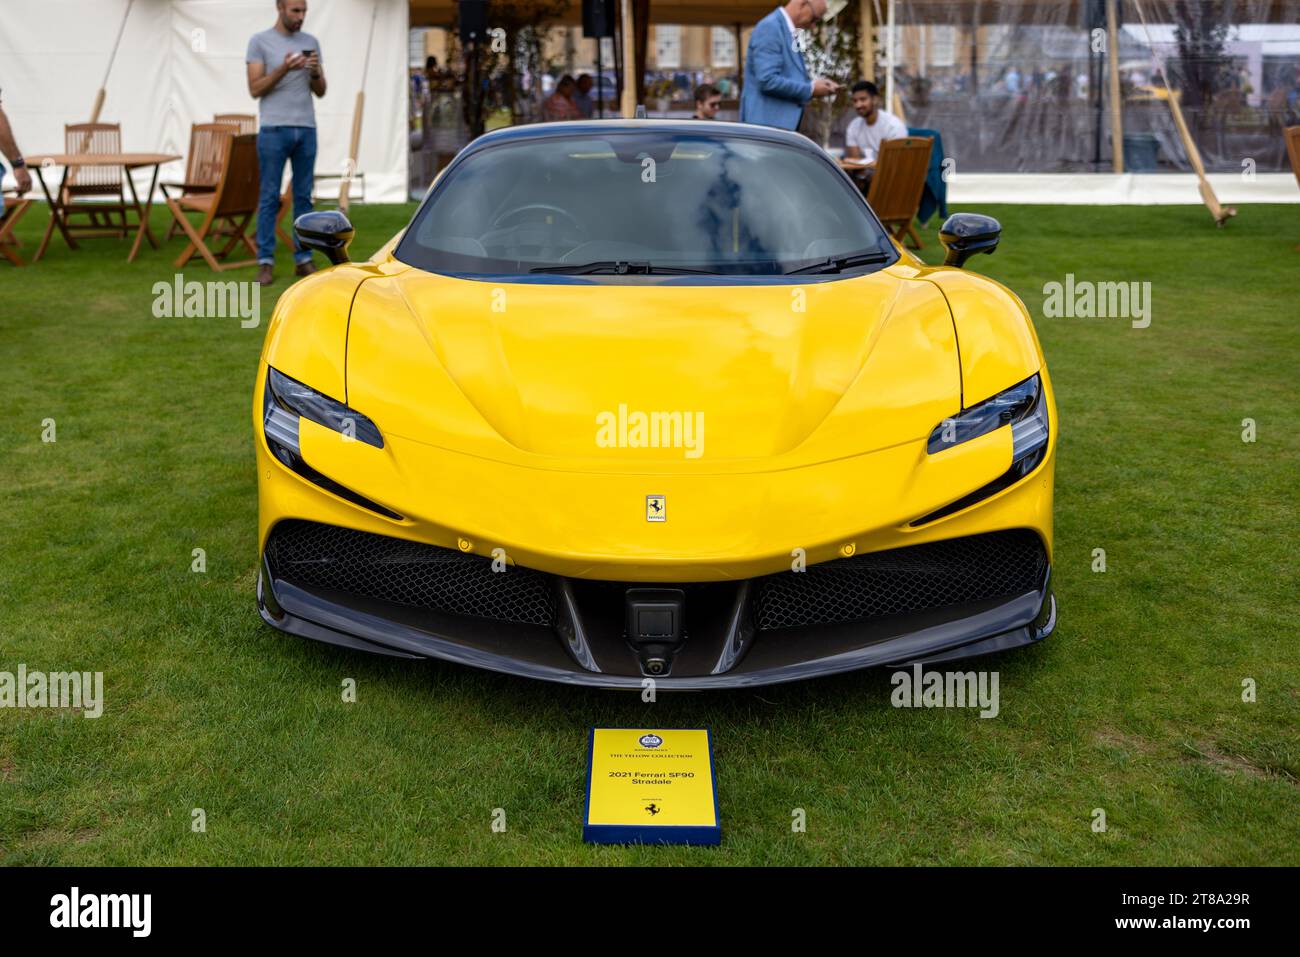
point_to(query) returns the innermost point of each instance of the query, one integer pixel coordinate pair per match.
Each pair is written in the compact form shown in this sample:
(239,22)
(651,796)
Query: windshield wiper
(619,267)
(841,263)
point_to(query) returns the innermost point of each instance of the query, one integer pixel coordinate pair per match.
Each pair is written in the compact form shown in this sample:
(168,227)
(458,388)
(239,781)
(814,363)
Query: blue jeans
(275,145)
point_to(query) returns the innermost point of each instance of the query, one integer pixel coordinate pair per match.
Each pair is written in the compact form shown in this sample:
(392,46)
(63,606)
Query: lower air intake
(903,580)
(315,556)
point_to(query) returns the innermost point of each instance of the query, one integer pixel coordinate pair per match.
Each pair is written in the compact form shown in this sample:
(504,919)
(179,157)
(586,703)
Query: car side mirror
(965,234)
(327,231)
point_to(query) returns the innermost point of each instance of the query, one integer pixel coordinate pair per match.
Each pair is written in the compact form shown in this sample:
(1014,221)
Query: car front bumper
(923,604)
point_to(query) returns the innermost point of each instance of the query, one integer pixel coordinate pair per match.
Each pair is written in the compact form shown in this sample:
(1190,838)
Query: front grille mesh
(316,556)
(903,580)
(876,585)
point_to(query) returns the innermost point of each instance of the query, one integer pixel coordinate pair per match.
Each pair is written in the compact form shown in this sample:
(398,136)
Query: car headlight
(287,399)
(1024,408)
(285,402)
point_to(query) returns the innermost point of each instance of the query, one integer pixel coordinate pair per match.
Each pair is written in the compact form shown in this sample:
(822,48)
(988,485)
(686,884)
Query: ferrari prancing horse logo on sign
(656,508)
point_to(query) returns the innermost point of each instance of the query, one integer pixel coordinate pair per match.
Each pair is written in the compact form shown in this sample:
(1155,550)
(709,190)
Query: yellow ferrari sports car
(649,399)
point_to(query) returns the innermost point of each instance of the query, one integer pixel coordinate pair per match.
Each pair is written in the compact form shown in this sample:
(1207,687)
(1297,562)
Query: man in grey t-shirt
(284,70)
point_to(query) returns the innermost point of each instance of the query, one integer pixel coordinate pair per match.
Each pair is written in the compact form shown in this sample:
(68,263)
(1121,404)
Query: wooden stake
(345,187)
(103,87)
(358,111)
(99,97)
(1220,213)
(99,105)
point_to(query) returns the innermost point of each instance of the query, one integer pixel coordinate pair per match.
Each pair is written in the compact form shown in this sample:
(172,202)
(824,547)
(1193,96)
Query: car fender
(307,336)
(996,340)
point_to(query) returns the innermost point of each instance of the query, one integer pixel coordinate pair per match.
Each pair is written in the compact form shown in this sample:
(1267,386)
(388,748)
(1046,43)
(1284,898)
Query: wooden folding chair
(1292,134)
(898,182)
(203,167)
(13,210)
(246,122)
(233,203)
(106,213)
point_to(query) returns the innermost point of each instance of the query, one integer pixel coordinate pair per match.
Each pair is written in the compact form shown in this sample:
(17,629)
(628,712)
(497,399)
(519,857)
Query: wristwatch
(18,163)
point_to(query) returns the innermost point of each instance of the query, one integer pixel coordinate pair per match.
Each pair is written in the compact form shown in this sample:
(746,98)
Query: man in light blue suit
(777,86)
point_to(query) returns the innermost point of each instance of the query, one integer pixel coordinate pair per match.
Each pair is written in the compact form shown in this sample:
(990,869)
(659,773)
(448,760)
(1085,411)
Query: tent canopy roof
(442,13)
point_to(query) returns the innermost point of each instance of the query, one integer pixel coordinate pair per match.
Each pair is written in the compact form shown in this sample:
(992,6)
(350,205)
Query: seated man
(869,129)
(708,98)
(560,105)
(582,97)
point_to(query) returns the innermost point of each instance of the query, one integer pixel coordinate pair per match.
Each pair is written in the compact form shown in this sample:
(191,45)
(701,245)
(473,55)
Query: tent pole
(889,54)
(629,63)
(740,65)
(896,98)
(866,41)
(1116,104)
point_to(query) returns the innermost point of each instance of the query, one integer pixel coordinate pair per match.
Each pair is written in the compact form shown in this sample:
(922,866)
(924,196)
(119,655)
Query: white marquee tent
(181,61)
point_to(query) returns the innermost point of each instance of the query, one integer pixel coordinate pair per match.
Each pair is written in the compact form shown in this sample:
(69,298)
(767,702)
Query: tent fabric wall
(181,61)
(1024,86)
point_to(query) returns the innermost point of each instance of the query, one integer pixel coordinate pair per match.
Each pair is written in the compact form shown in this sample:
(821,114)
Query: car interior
(712,206)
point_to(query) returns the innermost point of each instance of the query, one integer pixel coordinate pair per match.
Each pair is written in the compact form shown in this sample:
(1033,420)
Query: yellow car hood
(555,374)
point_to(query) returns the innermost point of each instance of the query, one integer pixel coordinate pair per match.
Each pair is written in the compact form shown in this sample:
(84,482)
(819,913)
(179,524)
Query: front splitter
(526,651)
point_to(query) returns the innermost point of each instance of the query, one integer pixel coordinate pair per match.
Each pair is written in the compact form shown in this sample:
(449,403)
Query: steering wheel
(524,233)
(521,214)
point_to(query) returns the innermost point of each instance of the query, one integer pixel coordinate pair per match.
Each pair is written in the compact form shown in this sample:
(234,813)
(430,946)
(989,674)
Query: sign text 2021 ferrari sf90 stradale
(634,399)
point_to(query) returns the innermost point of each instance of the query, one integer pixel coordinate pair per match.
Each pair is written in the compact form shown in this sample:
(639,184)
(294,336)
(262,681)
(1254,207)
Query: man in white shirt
(869,129)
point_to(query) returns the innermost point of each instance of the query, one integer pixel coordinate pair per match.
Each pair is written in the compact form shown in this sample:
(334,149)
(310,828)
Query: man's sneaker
(264,275)
(305,269)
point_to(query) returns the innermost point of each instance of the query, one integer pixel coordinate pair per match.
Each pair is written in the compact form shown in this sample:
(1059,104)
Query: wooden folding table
(70,161)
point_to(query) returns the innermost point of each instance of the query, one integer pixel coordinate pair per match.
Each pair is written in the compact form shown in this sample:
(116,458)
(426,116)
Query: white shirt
(789,23)
(869,137)
(795,39)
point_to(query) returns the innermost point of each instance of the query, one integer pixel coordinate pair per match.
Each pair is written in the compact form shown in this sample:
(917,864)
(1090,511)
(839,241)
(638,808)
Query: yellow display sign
(651,786)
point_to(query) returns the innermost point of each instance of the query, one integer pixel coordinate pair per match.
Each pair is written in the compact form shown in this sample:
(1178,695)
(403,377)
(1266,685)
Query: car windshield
(642,203)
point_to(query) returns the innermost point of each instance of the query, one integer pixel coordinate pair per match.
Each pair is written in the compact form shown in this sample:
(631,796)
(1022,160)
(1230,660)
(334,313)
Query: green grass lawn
(1134,705)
